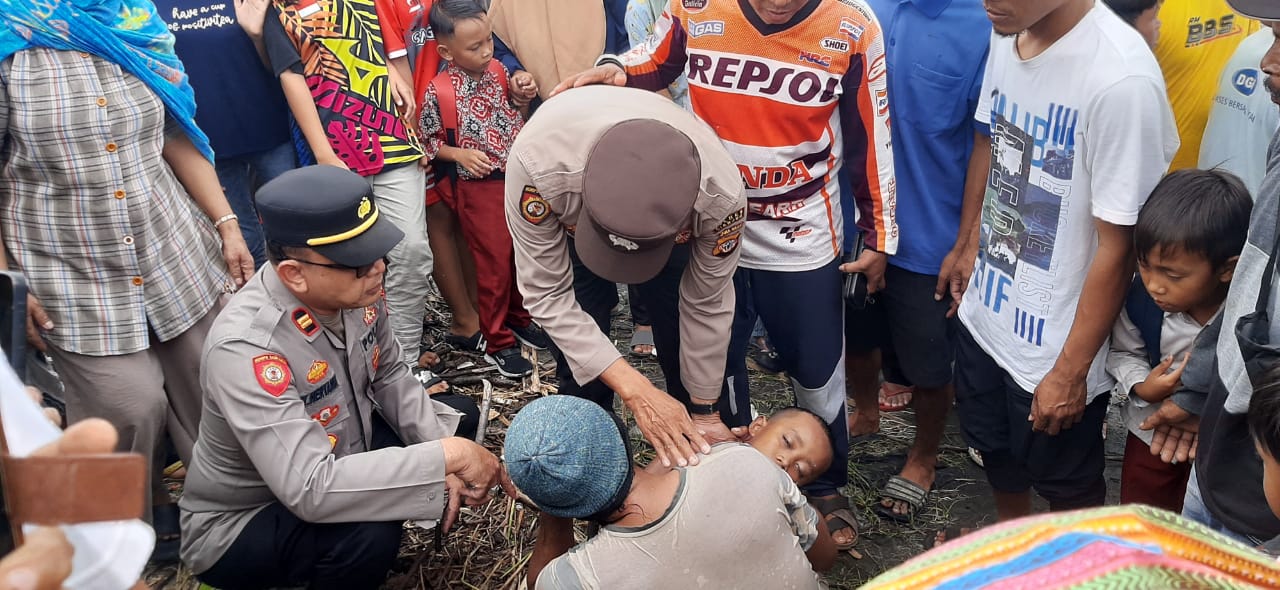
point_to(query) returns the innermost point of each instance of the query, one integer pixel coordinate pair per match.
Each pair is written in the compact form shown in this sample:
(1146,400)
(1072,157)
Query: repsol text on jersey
(763,77)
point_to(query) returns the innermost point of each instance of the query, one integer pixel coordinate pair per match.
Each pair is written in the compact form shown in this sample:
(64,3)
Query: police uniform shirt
(544,198)
(287,418)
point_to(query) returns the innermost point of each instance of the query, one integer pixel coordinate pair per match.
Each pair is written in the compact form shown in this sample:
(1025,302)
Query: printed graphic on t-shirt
(1032,161)
(340,44)
(1203,30)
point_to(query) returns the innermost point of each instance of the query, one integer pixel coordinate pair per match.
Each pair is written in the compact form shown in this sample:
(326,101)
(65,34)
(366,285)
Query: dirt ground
(491,545)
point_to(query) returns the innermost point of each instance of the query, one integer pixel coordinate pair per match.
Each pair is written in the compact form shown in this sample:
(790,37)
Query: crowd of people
(230,216)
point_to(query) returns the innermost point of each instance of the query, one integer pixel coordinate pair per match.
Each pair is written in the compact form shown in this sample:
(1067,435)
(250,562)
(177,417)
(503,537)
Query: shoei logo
(620,243)
(366,206)
(833,44)
(1245,81)
(693,5)
(711,27)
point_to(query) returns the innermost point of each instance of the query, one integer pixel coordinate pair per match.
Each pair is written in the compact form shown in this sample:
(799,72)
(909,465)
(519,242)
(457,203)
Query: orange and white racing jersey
(792,104)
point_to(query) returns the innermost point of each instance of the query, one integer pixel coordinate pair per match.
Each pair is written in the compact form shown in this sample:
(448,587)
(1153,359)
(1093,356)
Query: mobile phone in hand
(855,283)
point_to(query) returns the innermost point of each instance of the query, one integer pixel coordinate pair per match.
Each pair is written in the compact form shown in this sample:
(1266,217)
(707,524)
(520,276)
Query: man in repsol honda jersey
(796,90)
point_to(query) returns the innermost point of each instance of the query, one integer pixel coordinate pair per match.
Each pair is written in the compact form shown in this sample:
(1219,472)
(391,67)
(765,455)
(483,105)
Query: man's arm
(1059,400)
(871,176)
(957,266)
(707,302)
(286,63)
(641,67)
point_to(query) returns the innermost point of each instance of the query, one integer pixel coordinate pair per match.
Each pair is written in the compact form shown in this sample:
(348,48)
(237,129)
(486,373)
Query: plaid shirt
(90,212)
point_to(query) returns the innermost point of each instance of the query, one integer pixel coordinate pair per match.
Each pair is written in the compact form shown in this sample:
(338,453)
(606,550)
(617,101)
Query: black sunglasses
(361,271)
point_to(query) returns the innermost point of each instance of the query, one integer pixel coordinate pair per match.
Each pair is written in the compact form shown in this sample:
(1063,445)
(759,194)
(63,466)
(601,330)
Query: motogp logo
(1245,81)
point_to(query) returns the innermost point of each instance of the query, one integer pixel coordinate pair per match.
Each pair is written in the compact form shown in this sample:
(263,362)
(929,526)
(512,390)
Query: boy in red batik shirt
(468,118)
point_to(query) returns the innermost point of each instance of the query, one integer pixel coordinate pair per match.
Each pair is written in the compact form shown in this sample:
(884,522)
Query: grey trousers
(143,394)
(401,194)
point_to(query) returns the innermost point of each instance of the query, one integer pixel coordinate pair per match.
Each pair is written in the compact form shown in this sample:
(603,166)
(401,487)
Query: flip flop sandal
(899,391)
(901,489)
(976,456)
(835,511)
(475,343)
(643,338)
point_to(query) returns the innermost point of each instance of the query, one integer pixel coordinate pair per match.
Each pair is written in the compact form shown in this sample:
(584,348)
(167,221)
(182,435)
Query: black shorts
(1065,469)
(911,328)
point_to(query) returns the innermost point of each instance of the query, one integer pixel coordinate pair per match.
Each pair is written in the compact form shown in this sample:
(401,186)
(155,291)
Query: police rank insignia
(532,206)
(317,372)
(304,322)
(370,315)
(272,373)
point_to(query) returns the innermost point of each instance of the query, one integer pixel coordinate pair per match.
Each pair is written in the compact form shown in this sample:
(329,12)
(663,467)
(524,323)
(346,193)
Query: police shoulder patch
(304,322)
(272,373)
(533,208)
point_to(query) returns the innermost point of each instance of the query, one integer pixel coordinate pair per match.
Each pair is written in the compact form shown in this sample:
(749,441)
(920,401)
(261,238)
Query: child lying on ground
(733,521)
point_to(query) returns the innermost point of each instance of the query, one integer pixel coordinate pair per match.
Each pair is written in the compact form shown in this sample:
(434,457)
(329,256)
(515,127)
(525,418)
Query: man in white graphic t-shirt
(1081,131)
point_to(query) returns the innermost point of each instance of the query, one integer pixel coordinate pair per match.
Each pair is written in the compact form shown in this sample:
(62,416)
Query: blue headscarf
(129,33)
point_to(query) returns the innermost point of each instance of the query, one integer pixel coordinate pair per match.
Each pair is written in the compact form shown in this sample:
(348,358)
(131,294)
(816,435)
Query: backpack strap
(1147,316)
(498,70)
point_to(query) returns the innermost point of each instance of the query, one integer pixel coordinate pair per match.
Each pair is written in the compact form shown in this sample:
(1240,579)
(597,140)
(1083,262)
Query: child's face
(1270,478)
(795,441)
(1148,23)
(1180,281)
(471,46)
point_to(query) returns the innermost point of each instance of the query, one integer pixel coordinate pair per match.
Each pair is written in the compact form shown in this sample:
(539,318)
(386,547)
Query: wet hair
(1130,10)
(1204,212)
(826,428)
(1264,411)
(445,15)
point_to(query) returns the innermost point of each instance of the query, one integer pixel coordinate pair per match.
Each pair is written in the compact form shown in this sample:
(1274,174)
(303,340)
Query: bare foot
(950,534)
(863,423)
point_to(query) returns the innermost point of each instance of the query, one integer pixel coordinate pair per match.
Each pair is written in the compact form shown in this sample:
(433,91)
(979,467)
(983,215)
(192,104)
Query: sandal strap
(905,490)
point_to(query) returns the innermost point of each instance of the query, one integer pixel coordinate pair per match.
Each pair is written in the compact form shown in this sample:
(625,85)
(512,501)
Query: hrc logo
(815,58)
(711,27)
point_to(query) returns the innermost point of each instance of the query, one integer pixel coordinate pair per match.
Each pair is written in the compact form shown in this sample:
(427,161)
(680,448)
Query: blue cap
(569,456)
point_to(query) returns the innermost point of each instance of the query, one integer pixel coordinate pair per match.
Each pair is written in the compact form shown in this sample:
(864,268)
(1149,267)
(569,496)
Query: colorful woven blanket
(1102,548)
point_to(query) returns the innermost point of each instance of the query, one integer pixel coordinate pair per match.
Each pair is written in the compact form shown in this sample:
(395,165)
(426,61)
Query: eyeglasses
(361,271)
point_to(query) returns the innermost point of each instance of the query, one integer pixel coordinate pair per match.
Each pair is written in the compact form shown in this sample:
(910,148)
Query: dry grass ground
(490,546)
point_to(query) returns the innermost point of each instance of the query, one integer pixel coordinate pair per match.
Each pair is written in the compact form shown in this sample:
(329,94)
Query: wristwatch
(702,409)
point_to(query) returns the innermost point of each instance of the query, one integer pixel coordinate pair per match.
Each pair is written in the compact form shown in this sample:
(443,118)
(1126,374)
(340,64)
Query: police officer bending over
(316,441)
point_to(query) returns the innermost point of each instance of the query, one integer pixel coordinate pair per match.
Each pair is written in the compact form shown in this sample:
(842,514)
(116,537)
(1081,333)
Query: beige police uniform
(287,418)
(544,198)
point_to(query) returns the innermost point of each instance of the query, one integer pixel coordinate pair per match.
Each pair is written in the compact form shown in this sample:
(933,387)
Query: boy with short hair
(573,460)
(1188,238)
(469,118)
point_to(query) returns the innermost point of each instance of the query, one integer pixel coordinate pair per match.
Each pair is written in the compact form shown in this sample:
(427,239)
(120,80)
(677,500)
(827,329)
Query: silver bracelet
(225,218)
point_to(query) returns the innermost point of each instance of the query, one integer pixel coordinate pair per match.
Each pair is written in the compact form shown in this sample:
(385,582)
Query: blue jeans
(240,177)
(1193,508)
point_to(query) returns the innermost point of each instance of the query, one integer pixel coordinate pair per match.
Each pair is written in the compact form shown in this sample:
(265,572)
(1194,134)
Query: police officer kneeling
(316,441)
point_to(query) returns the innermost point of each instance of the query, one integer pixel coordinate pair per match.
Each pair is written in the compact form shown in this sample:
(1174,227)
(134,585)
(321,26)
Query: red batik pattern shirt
(486,119)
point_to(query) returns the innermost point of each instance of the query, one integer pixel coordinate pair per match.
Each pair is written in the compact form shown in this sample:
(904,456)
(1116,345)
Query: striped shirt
(89,211)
